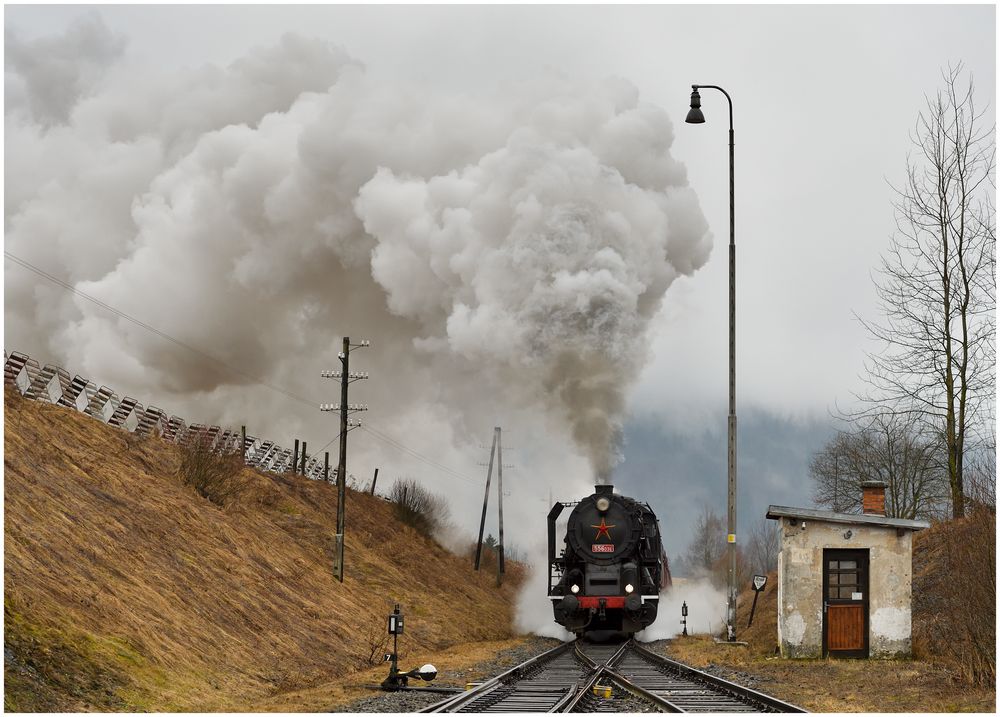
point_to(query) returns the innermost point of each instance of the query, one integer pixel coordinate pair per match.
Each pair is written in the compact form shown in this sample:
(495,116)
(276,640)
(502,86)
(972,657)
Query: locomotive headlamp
(574,588)
(629,588)
(603,504)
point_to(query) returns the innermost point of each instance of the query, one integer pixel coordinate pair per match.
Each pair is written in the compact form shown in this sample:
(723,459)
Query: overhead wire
(161,334)
(379,435)
(406,449)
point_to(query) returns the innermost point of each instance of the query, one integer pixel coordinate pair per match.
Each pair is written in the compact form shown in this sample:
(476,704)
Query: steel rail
(746,695)
(514,674)
(546,683)
(602,671)
(637,690)
(587,659)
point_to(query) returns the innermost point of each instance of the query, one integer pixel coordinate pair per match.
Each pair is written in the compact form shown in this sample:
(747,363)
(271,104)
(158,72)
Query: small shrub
(376,641)
(954,594)
(217,477)
(418,507)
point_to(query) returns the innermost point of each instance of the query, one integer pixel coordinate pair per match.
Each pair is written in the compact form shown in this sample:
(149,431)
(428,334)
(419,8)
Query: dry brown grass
(185,605)
(456,666)
(906,686)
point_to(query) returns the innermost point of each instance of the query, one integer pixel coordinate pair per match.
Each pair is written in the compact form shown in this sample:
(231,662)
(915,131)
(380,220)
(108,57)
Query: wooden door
(845,603)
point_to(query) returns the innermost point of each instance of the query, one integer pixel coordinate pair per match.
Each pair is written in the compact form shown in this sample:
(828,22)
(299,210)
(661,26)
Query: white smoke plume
(45,78)
(504,250)
(706,610)
(533,611)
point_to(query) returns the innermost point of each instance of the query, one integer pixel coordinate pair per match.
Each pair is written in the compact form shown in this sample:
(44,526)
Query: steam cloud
(706,610)
(504,250)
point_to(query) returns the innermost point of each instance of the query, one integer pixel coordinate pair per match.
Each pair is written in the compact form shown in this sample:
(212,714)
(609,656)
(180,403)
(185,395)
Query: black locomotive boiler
(612,566)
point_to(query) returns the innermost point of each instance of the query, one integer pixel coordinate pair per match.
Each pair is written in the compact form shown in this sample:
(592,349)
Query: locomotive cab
(611,567)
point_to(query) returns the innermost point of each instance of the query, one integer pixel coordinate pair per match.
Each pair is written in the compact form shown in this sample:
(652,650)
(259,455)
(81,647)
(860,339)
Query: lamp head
(694,115)
(427,673)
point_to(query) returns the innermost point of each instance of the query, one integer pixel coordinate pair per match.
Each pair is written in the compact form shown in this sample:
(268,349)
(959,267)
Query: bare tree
(834,485)
(708,545)
(763,543)
(982,471)
(882,447)
(937,286)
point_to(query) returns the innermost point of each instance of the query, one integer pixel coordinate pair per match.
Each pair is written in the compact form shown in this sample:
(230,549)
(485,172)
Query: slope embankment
(124,589)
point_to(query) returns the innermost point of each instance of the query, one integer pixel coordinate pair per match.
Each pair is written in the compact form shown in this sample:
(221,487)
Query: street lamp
(695,116)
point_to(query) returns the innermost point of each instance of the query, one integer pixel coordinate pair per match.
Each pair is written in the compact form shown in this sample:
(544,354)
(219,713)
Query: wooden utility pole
(486,498)
(345,377)
(295,457)
(345,358)
(374,481)
(500,502)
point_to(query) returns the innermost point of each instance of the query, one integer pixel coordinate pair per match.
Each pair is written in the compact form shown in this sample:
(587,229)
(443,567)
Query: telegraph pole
(486,497)
(496,451)
(345,360)
(500,501)
(346,377)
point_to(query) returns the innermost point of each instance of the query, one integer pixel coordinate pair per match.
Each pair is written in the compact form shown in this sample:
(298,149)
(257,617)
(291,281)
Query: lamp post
(695,116)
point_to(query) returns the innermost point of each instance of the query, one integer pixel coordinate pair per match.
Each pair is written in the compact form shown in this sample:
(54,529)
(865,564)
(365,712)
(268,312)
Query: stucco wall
(800,585)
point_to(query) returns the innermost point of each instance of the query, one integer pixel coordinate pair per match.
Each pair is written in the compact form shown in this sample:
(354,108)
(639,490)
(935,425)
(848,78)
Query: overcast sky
(824,99)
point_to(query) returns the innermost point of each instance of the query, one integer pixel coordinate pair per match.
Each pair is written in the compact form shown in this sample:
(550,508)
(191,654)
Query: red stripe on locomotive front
(594,602)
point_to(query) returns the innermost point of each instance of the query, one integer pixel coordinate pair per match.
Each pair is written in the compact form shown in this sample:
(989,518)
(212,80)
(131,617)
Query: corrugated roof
(782,511)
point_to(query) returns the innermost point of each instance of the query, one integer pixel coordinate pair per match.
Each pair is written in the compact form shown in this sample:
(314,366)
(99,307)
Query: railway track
(624,677)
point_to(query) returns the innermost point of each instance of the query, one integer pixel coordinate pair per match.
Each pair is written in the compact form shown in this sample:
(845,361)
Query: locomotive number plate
(602,548)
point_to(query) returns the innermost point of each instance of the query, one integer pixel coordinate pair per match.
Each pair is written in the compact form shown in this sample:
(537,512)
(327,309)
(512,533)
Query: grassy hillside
(124,589)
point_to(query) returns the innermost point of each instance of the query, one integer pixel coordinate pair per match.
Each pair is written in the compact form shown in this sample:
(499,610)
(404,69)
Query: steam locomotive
(612,568)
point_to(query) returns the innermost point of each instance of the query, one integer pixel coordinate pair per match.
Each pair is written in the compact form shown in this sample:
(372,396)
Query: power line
(161,334)
(367,427)
(378,435)
(256,379)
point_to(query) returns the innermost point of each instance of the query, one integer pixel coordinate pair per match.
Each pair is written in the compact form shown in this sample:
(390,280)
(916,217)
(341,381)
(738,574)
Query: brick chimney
(873,497)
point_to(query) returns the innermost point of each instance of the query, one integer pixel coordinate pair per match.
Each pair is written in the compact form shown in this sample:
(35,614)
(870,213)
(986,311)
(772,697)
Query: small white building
(844,580)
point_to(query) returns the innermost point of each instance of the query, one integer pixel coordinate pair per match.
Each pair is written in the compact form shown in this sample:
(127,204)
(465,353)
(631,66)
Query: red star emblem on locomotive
(603,528)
